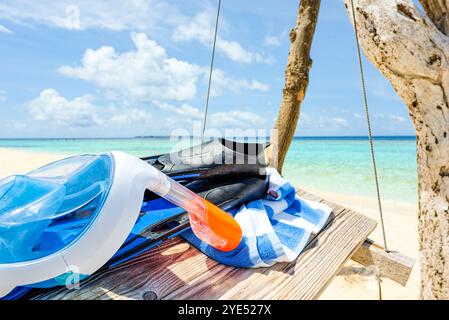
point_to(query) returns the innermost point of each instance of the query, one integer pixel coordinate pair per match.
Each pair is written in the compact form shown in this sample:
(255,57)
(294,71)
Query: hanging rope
(210,72)
(370,134)
(379,285)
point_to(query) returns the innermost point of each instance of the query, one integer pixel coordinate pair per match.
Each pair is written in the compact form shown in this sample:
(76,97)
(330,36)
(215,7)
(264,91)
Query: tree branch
(403,44)
(296,81)
(438,12)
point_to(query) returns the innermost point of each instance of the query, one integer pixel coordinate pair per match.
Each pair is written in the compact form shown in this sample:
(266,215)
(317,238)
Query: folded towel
(275,229)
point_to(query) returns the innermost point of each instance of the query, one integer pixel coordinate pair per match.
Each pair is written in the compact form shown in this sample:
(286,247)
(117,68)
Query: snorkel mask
(73,215)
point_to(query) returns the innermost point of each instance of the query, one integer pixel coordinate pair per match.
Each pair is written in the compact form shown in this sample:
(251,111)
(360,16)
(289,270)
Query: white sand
(352,282)
(20,162)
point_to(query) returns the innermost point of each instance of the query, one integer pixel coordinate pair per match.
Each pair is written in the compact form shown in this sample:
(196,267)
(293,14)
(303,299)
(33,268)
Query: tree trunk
(413,53)
(296,81)
(438,11)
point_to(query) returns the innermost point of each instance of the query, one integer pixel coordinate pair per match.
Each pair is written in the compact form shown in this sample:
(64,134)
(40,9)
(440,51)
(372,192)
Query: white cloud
(185,110)
(80,112)
(3,29)
(228,119)
(386,121)
(272,41)
(390,118)
(221,82)
(235,119)
(128,116)
(53,108)
(322,122)
(105,14)
(146,73)
(234,51)
(340,122)
(201,28)
(398,119)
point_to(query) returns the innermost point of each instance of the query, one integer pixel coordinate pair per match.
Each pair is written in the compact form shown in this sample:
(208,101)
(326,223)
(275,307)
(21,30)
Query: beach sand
(20,162)
(352,282)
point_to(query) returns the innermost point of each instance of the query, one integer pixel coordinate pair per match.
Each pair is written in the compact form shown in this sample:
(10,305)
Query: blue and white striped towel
(275,229)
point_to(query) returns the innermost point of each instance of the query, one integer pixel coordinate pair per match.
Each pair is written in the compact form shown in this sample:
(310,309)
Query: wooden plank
(217,282)
(305,278)
(151,275)
(176,270)
(392,264)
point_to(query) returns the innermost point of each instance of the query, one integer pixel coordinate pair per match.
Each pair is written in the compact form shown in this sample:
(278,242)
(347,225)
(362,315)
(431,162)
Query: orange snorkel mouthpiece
(214,226)
(210,224)
(224,226)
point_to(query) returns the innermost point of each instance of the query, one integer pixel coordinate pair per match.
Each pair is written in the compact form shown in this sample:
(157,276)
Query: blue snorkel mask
(47,209)
(70,217)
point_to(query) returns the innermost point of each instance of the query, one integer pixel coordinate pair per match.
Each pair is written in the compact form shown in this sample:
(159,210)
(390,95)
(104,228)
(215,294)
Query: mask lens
(48,209)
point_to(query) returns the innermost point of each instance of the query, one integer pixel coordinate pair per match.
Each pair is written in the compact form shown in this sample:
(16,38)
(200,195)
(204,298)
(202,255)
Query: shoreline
(352,282)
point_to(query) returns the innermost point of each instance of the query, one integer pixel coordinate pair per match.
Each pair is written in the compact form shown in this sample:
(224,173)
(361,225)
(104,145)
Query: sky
(110,68)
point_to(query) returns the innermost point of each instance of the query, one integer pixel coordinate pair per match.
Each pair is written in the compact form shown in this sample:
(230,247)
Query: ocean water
(332,164)
(344,165)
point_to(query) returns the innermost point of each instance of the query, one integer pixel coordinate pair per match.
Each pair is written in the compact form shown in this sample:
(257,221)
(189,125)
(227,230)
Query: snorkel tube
(210,224)
(64,221)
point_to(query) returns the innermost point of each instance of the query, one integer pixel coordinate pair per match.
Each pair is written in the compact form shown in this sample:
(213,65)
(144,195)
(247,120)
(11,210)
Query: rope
(379,285)
(210,72)
(370,134)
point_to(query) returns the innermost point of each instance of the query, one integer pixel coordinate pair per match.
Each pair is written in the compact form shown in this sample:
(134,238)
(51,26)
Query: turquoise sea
(332,164)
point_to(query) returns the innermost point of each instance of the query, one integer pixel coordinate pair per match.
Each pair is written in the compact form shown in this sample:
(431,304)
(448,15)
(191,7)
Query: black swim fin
(215,158)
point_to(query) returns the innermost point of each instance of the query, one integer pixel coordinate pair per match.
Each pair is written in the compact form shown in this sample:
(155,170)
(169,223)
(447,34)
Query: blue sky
(122,69)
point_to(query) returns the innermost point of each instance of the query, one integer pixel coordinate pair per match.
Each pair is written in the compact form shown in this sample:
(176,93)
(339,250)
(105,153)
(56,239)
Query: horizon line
(167,136)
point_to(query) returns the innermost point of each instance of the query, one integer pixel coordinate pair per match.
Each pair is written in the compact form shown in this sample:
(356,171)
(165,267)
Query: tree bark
(296,81)
(438,12)
(413,54)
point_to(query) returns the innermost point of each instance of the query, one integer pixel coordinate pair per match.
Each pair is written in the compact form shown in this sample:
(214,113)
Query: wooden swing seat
(176,270)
